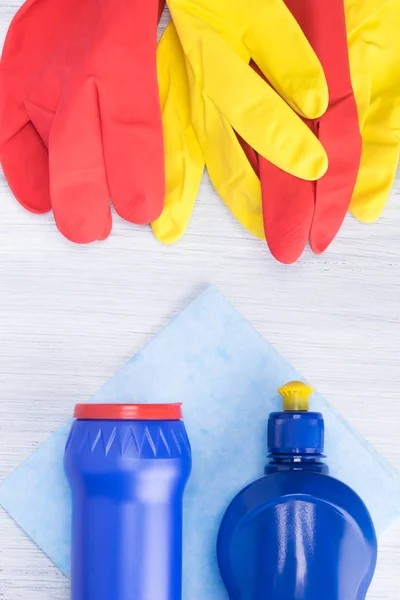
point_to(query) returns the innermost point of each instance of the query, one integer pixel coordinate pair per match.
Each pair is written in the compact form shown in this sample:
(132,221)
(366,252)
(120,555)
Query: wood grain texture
(70,316)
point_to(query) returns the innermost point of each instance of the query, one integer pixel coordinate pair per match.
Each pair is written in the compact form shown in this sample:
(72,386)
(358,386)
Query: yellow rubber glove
(374,50)
(225,95)
(184,160)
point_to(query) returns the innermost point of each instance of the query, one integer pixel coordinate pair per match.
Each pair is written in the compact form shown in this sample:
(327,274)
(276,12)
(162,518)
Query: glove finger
(379,162)
(288,208)
(25,165)
(184,161)
(134,155)
(338,129)
(133,150)
(260,116)
(292,67)
(24,158)
(78,184)
(131,120)
(231,172)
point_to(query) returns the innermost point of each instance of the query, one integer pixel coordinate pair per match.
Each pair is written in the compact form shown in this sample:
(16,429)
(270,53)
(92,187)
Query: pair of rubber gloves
(80,119)
(358,45)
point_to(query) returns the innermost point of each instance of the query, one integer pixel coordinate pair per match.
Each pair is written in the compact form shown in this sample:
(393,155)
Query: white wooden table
(70,316)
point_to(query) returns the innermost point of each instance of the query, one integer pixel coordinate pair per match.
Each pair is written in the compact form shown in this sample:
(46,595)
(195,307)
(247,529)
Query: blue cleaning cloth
(226,375)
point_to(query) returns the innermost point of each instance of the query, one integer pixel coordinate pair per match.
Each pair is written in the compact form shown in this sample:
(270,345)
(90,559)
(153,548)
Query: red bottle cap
(129,412)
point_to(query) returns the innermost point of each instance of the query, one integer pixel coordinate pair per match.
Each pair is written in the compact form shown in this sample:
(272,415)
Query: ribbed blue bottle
(297,533)
(127,467)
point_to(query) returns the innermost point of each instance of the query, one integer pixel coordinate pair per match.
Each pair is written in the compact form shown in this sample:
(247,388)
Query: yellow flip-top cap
(295,396)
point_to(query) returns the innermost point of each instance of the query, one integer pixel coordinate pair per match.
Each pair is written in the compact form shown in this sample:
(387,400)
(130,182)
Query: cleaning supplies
(207,354)
(127,466)
(297,533)
(80,114)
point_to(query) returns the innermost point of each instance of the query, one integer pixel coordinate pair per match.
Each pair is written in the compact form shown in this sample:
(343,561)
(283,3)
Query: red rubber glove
(295,210)
(80,119)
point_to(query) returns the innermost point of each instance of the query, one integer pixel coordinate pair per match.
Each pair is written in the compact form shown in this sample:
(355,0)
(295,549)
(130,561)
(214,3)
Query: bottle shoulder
(94,441)
(281,484)
(308,487)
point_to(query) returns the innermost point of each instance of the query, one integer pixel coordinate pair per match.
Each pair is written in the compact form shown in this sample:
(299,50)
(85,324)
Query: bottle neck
(296,462)
(296,442)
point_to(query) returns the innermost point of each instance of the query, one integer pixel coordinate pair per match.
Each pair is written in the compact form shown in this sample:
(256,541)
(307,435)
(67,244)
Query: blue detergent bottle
(297,533)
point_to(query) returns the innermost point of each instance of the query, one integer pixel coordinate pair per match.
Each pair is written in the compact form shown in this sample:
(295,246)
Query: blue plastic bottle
(127,466)
(297,533)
